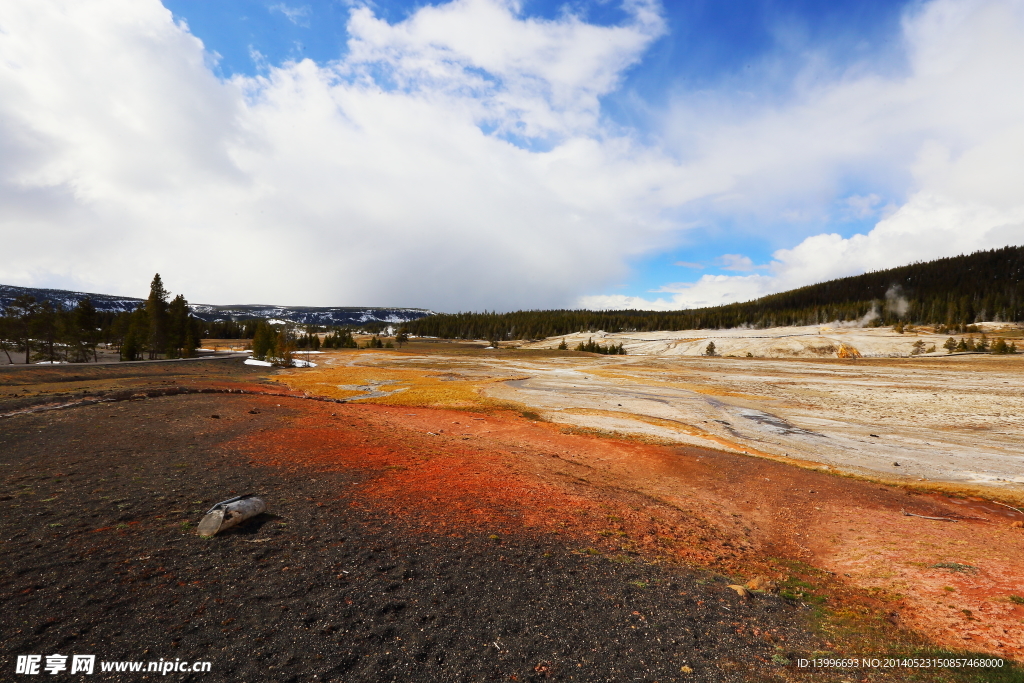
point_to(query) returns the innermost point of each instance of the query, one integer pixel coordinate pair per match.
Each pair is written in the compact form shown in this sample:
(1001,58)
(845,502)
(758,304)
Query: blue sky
(492,154)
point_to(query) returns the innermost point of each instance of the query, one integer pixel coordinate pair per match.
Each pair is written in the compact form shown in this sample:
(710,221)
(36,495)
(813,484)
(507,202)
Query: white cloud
(124,155)
(297,15)
(527,77)
(709,290)
(736,262)
(862,206)
(460,160)
(927,227)
(947,135)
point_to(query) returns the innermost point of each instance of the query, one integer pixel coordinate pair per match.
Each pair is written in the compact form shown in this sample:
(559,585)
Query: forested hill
(985,285)
(308,315)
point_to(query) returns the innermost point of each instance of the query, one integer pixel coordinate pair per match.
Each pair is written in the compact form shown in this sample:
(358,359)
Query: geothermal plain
(937,417)
(447,511)
(942,429)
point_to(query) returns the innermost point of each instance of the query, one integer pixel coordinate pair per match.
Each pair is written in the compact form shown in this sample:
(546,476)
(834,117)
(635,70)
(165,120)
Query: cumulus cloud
(927,227)
(452,160)
(946,134)
(460,159)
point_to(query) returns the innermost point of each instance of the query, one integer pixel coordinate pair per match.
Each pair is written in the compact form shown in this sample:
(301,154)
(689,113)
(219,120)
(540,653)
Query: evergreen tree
(710,350)
(284,349)
(129,347)
(86,324)
(21,314)
(950,345)
(46,330)
(156,311)
(179,328)
(5,334)
(138,332)
(263,341)
(590,346)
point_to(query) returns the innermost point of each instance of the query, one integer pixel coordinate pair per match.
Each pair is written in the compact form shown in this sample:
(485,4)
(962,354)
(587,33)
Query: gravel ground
(96,508)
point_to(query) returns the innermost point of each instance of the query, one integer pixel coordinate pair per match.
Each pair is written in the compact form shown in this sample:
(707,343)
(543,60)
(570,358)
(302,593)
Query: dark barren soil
(359,572)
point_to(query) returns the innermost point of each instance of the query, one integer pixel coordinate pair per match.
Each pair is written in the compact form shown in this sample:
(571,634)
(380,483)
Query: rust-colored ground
(458,471)
(743,516)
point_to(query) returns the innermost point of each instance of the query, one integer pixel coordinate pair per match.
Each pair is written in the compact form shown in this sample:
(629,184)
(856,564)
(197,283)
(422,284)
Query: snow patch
(295,363)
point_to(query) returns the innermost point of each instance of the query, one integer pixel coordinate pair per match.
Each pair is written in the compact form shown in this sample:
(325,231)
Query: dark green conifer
(156,311)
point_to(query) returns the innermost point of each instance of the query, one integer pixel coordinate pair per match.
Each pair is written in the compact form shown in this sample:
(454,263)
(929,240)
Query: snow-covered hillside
(349,315)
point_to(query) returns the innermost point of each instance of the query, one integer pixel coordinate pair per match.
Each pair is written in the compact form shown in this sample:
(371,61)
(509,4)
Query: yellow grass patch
(402,386)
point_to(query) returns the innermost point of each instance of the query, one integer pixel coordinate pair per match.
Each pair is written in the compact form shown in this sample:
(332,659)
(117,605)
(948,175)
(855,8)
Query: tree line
(952,292)
(45,331)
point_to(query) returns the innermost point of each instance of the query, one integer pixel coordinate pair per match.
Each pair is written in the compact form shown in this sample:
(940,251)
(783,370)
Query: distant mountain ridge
(307,315)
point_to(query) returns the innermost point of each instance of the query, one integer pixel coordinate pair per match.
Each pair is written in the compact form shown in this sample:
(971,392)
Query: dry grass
(419,386)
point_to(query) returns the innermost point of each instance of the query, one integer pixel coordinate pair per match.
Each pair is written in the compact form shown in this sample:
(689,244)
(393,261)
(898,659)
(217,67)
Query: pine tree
(263,341)
(129,347)
(156,310)
(86,323)
(191,341)
(137,332)
(710,350)
(178,327)
(950,345)
(284,349)
(21,314)
(46,329)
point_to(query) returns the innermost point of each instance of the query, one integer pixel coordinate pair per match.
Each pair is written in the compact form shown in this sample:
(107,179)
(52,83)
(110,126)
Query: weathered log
(230,512)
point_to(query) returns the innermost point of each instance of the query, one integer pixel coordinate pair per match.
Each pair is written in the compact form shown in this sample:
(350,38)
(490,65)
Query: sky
(502,155)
